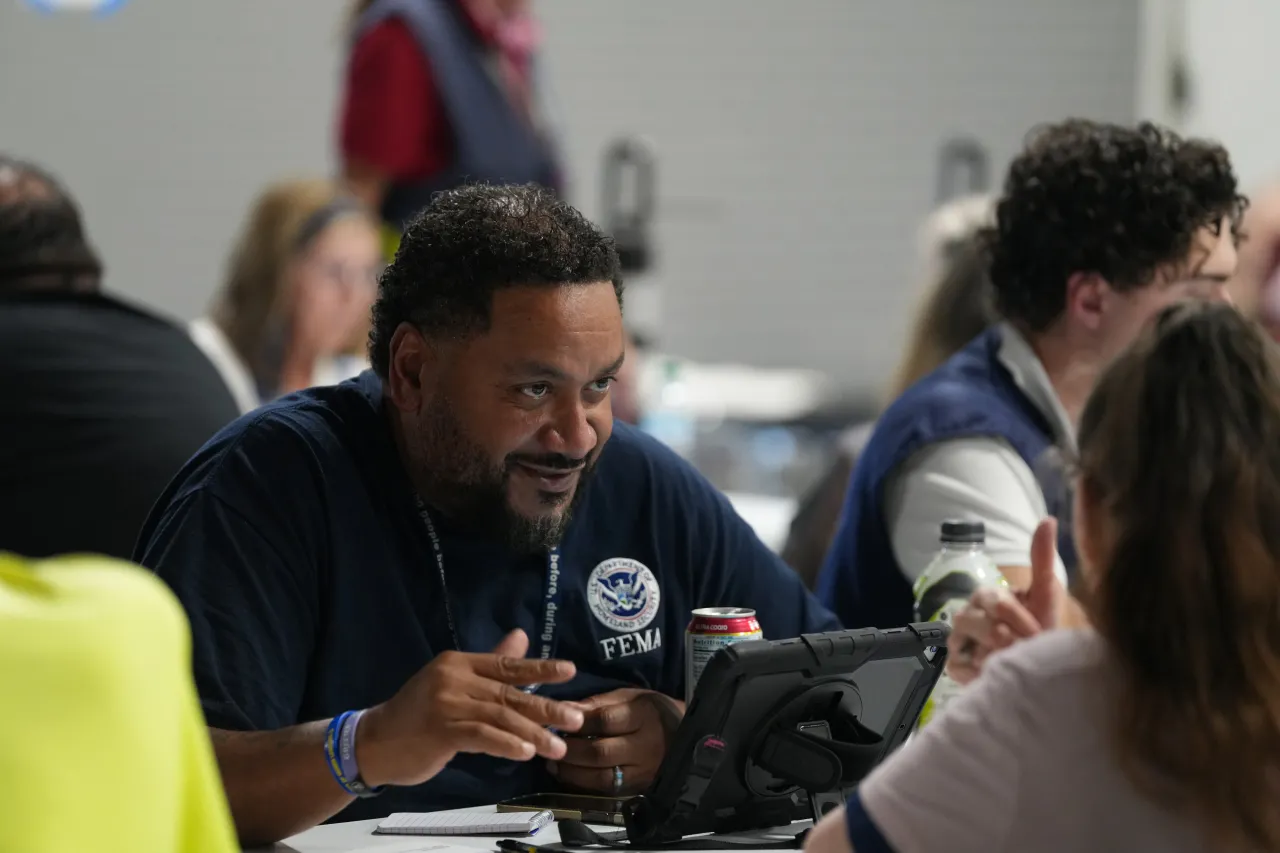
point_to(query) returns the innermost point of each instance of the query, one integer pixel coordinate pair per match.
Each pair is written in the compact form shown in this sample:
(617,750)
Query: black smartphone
(583,807)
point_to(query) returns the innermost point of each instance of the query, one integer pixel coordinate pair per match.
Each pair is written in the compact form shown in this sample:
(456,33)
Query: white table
(358,837)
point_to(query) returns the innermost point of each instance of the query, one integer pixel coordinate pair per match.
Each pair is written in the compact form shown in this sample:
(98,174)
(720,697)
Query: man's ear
(412,366)
(1086,299)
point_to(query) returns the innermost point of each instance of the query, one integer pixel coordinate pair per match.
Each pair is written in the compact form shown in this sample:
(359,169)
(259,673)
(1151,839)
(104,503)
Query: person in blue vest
(439,93)
(372,570)
(1099,227)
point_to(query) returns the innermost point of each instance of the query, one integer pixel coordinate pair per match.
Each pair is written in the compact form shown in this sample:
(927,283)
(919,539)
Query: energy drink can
(709,631)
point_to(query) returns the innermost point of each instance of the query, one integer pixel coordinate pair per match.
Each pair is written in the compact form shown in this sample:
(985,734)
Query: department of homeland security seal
(623,594)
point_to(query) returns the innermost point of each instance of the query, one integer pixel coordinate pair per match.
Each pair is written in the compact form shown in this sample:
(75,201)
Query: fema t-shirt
(294,542)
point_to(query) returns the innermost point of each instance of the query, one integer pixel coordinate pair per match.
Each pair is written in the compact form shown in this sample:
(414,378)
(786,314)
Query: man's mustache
(554,461)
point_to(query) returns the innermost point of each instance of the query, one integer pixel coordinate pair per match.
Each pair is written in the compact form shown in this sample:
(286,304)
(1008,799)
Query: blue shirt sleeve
(864,835)
(235,557)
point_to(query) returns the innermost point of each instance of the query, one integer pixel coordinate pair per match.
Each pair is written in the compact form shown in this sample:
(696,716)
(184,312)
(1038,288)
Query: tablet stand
(778,732)
(817,743)
(807,757)
(824,768)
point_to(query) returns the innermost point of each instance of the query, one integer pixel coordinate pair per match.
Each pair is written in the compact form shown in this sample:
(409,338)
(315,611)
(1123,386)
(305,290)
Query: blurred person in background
(440,93)
(956,307)
(1256,285)
(294,308)
(103,402)
(96,657)
(625,395)
(1098,228)
(1159,727)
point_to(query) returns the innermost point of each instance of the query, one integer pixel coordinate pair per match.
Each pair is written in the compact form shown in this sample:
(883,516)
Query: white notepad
(464,823)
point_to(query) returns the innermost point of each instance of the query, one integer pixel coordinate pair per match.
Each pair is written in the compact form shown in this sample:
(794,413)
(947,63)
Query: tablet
(784,730)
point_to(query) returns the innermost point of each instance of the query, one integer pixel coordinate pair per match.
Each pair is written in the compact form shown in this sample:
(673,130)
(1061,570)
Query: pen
(510,845)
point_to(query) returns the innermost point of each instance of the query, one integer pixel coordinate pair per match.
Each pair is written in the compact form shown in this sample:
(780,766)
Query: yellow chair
(102,743)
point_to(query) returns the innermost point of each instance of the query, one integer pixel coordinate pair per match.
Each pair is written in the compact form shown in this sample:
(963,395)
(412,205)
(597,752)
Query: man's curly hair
(473,241)
(1086,197)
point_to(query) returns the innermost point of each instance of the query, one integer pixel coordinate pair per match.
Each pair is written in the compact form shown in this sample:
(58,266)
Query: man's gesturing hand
(627,728)
(466,703)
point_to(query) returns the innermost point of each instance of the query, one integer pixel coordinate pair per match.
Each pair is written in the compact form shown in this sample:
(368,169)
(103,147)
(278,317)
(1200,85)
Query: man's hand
(996,618)
(466,703)
(626,728)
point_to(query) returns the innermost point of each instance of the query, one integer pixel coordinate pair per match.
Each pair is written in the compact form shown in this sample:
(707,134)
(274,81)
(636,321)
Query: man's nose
(571,431)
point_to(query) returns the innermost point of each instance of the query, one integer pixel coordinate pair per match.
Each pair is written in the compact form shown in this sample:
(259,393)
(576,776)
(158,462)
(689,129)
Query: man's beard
(457,476)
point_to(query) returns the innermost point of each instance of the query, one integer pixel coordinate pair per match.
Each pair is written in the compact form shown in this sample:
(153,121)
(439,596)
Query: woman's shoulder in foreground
(1056,654)
(1022,760)
(1056,686)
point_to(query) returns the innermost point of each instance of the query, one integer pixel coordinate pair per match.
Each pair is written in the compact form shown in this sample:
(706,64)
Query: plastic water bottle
(960,568)
(668,417)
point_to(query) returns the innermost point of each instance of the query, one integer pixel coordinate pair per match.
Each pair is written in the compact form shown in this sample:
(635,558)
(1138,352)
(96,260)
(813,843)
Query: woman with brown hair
(1159,727)
(294,308)
(955,307)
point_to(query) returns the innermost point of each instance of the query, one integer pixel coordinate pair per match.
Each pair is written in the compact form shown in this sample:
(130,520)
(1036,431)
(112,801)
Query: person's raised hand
(1044,597)
(463,702)
(625,730)
(995,617)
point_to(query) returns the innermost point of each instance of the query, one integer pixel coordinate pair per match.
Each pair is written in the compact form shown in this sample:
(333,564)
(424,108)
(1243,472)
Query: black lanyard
(546,632)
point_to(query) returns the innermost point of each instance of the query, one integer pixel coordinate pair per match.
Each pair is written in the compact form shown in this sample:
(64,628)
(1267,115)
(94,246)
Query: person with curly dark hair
(1157,727)
(393,543)
(1098,228)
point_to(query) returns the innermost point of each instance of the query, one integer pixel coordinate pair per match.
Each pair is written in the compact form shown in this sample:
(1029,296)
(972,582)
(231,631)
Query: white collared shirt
(977,477)
(219,351)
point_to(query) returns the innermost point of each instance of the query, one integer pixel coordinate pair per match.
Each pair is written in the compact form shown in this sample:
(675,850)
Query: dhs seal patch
(623,594)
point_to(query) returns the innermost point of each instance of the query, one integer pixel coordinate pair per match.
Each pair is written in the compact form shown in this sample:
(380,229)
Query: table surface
(358,837)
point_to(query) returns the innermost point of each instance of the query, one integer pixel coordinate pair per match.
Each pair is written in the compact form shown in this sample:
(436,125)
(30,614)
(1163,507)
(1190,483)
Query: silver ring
(617,779)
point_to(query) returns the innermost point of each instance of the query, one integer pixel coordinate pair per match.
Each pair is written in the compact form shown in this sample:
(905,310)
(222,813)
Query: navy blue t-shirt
(294,542)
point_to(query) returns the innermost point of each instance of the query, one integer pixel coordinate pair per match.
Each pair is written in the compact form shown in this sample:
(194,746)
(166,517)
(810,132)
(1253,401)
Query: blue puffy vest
(493,143)
(971,395)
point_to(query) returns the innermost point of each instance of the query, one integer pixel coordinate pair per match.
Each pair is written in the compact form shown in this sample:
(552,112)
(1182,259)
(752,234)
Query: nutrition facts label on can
(710,630)
(700,649)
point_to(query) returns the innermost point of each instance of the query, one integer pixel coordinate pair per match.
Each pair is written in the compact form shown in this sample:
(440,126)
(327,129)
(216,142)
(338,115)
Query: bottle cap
(957,530)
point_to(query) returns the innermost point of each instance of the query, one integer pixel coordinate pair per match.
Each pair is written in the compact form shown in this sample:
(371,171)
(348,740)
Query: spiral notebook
(464,822)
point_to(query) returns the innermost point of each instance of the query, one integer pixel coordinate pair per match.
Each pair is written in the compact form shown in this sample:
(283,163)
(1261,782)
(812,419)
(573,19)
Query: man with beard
(395,543)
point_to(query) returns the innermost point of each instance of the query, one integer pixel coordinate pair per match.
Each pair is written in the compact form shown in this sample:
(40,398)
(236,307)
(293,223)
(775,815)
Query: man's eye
(536,391)
(602,385)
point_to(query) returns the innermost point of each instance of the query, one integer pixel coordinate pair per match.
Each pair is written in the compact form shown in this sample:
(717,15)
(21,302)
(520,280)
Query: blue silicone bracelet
(340,755)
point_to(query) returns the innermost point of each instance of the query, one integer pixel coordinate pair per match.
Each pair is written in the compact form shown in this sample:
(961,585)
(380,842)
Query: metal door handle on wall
(627,215)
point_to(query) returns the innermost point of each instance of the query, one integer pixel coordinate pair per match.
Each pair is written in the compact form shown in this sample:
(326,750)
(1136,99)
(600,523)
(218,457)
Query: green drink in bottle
(961,567)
